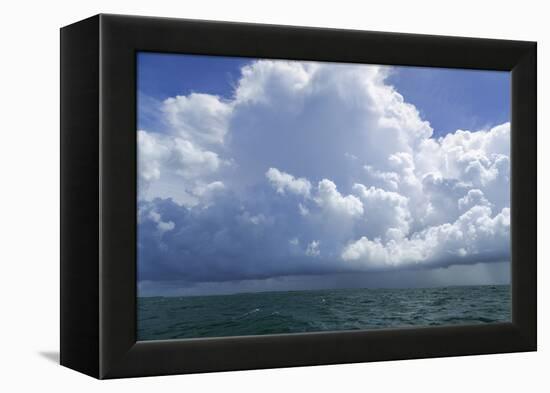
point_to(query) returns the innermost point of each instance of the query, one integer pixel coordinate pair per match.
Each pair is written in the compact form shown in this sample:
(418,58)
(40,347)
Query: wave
(327,310)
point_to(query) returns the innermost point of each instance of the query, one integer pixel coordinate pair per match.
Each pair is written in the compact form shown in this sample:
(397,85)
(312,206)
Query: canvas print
(281,197)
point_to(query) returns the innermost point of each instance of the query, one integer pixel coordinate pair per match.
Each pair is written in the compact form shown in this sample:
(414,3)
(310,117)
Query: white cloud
(474,197)
(363,177)
(151,155)
(282,182)
(269,82)
(162,226)
(200,118)
(388,179)
(312,249)
(330,199)
(386,212)
(191,161)
(474,237)
(171,167)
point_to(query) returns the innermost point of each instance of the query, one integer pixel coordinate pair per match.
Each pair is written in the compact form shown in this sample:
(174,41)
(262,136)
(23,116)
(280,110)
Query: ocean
(162,318)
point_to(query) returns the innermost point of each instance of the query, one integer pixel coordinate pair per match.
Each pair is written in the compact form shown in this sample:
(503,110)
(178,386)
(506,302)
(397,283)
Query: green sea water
(161,318)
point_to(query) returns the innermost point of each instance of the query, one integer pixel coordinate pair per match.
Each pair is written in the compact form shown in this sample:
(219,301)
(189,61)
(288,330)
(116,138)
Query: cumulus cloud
(172,167)
(474,197)
(284,182)
(387,212)
(315,168)
(476,236)
(201,118)
(330,199)
(151,156)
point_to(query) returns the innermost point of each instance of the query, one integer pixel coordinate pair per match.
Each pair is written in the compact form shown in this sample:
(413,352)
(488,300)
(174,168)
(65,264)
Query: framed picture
(240,196)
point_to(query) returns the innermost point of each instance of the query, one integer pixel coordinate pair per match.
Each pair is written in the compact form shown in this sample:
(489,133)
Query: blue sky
(163,75)
(456,98)
(449,98)
(277,175)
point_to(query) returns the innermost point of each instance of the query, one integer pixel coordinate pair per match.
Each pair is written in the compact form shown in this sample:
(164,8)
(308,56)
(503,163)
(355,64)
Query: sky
(264,175)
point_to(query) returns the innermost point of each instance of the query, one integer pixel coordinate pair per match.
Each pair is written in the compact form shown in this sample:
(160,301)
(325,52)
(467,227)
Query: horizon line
(327,289)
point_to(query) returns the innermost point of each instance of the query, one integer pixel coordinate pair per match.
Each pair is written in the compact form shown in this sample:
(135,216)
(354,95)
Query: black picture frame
(98,196)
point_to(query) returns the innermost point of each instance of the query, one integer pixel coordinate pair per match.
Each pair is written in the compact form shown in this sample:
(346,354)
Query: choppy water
(161,318)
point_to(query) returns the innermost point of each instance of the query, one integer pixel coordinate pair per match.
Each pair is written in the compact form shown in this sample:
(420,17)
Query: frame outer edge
(524,189)
(121,356)
(117,280)
(79,275)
